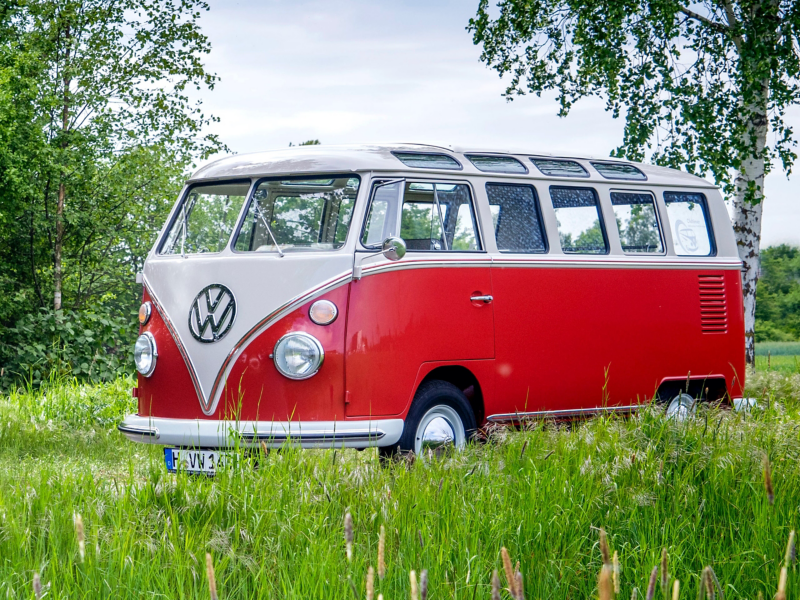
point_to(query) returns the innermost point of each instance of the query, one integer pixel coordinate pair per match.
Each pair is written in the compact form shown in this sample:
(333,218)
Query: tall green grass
(275,529)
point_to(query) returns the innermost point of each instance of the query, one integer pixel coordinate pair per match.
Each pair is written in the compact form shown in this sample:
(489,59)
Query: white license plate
(194,461)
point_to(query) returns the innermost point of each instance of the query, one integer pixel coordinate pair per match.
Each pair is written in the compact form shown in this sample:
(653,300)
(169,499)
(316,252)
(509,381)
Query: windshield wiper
(183,238)
(267,227)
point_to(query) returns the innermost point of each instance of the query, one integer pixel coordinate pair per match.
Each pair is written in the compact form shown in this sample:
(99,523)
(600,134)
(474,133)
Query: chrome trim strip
(142,431)
(362,435)
(198,388)
(572,412)
(263,325)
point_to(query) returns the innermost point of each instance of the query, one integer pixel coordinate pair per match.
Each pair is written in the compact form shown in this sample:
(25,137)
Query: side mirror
(394,248)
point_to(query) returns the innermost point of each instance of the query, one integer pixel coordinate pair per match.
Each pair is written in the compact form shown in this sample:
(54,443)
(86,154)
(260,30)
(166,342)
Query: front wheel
(440,417)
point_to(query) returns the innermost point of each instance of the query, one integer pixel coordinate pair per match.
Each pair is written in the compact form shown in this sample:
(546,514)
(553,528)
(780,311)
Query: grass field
(778,356)
(695,488)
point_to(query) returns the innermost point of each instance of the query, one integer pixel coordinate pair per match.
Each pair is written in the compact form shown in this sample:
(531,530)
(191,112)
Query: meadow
(274,525)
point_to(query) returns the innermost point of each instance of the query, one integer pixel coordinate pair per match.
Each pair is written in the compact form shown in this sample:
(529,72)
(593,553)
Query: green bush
(86,345)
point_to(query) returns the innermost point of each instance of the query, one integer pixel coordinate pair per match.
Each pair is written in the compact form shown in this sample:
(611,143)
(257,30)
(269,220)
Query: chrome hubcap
(441,428)
(681,407)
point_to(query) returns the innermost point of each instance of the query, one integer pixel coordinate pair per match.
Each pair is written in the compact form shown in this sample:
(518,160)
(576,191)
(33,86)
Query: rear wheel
(440,417)
(681,407)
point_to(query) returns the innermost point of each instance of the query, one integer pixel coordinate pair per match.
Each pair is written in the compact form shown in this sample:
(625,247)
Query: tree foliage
(97,129)
(778,306)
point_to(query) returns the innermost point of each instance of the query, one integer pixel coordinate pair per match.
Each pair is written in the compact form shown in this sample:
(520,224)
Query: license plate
(194,461)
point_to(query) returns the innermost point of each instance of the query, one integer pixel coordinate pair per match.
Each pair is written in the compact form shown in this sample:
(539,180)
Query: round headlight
(323,312)
(144,312)
(145,354)
(298,355)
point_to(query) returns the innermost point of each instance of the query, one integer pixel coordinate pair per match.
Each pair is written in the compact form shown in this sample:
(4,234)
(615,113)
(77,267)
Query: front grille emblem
(212,314)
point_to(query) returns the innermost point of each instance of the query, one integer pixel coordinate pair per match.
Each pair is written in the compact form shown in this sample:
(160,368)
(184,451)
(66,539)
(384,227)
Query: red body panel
(554,338)
(570,338)
(169,391)
(400,319)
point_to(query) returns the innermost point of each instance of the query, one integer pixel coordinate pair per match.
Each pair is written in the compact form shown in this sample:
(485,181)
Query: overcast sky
(353,71)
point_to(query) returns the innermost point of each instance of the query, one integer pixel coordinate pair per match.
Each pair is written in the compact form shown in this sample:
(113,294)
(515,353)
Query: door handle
(484,299)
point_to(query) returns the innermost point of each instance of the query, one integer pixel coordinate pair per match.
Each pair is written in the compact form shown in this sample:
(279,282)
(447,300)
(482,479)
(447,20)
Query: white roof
(379,157)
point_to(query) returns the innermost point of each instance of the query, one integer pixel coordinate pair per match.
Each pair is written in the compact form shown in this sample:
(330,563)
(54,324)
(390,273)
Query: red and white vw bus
(398,295)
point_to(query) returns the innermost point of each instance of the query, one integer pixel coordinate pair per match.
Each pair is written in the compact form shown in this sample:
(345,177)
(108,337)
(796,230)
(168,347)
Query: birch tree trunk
(748,206)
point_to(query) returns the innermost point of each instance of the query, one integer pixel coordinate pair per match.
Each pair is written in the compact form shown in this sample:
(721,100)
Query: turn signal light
(323,312)
(144,313)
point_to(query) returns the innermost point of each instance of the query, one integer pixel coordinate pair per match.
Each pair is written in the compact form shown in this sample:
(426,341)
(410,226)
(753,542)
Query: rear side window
(428,160)
(619,171)
(635,214)
(516,217)
(497,164)
(580,223)
(688,219)
(559,168)
(206,218)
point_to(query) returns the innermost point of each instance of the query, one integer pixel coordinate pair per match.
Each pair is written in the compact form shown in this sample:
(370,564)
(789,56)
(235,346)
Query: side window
(635,214)
(432,217)
(688,219)
(516,218)
(580,223)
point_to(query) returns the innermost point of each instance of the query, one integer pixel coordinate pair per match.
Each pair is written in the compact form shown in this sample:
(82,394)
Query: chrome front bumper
(207,433)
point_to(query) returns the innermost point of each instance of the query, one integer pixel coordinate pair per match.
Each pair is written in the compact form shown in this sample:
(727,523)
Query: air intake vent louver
(713,306)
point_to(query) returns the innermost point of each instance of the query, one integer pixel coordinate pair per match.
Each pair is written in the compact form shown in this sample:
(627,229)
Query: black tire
(430,395)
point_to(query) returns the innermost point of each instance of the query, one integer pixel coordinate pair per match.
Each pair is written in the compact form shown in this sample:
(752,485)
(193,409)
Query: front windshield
(300,215)
(206,218)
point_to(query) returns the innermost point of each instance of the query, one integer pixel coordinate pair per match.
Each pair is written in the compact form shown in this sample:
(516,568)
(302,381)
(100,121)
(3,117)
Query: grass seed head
(412,578)
(382,553)
(212,582)
(380,596)
(615,571)
(604,550)
(635,594)
(676,590)
(423,585)
(348,535)
(790,552)
(370,583)
(651,586)
(664,571)
(768,481)
(520,589)
(264,448)
(512,584)
(80,535)
(781,595)
(604,586)
(495,586)
(37,586)
(708,583)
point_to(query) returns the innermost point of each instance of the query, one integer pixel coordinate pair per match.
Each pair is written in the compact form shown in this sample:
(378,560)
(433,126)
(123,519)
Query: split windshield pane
(206,218)
(303,215)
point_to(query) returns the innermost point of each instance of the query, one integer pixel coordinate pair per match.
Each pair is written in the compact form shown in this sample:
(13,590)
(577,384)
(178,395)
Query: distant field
(778,348)
(276,531)
(778,356)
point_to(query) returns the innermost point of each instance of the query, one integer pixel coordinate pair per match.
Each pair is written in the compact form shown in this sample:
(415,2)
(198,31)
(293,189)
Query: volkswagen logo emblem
(212,314)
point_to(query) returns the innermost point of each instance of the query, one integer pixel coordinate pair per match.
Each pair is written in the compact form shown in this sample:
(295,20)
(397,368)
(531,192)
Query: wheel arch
(710,388)
(465,380)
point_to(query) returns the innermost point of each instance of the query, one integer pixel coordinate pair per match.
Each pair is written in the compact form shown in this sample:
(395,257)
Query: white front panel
(261,285)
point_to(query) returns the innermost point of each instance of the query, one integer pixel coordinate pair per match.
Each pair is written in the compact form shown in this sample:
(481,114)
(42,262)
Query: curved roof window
(559,168)
(497,164)
(425,160)
(611,170)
